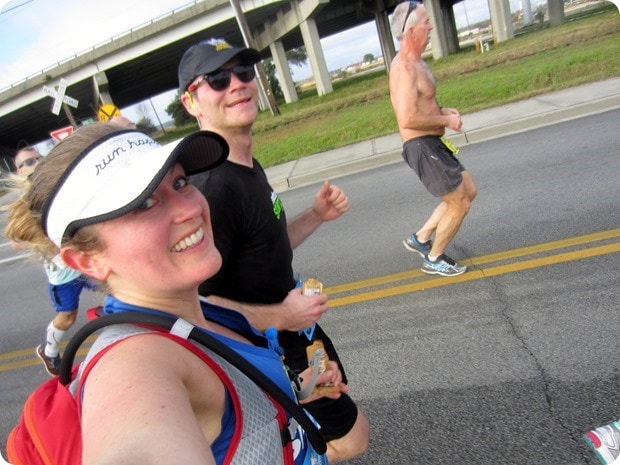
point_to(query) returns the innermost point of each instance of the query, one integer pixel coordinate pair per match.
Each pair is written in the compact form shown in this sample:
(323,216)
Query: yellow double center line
(587,246)
(510,261)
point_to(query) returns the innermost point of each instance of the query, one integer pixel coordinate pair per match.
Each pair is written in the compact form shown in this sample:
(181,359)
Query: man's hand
(330,377)
(330,202)
(454,118)
(301,311)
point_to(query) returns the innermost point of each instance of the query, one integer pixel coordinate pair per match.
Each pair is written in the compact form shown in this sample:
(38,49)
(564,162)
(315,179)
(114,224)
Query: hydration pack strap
(181,327)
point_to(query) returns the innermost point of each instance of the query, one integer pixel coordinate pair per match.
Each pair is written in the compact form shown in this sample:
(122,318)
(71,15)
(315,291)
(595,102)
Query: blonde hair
(24,221)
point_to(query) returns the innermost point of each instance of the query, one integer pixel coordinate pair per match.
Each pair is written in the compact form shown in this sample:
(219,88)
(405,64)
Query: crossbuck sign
(60,97)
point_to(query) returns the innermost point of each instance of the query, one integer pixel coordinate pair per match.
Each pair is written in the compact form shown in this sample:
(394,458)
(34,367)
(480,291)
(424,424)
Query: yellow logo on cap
(219,44)
(222,46)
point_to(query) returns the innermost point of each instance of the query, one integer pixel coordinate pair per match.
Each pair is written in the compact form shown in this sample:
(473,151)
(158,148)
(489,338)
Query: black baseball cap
(209,55)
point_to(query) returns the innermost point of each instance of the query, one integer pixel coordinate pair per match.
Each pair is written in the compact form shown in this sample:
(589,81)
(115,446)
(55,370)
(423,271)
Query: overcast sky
(35,34)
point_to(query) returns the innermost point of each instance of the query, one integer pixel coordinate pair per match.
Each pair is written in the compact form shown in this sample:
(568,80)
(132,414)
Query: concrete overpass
(142,62)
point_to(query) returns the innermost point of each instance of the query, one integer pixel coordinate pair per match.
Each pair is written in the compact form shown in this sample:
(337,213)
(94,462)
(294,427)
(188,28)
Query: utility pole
(157,116)
(249,42)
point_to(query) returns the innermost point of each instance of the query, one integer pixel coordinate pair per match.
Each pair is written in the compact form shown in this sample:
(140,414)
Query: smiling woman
(119,208)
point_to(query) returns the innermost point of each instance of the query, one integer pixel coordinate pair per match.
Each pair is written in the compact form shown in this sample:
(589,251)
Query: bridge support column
(284,72)
(556,12)
(449,25)
(527,13)
(386,40)
(439,38)
(310,36)
(101,90)
(501,20)
(263,99)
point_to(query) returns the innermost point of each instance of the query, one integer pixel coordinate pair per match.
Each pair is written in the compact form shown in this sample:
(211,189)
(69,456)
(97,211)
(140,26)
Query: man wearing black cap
(253,235)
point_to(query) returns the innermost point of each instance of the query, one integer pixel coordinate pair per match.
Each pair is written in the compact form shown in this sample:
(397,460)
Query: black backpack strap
(166,323)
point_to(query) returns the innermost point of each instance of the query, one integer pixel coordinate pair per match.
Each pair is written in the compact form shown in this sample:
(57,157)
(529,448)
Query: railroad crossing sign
(107,112)
(60,97)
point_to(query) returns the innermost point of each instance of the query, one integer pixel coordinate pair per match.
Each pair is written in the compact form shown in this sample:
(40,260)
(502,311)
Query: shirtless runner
(422,123)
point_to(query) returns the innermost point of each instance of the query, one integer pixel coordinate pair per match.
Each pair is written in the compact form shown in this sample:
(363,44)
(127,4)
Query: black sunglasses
(220,80)
(29,162)
(412,6)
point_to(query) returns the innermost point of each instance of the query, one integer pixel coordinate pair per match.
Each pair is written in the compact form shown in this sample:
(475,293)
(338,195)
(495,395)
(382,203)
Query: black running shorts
(336,416)
(434,163)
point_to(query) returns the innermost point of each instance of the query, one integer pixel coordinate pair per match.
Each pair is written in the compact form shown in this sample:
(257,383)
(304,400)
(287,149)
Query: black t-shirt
(249,227)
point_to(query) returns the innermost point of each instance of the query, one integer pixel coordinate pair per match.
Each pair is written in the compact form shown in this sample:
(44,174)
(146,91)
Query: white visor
(119,172)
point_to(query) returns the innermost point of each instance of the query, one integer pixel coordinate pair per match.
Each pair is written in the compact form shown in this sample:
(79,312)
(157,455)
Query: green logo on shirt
(278,208)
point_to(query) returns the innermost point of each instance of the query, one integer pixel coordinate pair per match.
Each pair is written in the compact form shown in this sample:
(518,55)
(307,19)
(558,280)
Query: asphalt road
(507,364)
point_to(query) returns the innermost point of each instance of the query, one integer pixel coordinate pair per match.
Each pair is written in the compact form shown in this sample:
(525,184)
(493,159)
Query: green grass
(544,59)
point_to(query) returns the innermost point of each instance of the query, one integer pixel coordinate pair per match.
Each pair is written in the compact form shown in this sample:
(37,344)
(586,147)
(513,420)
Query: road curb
(553,116)
(386,150)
